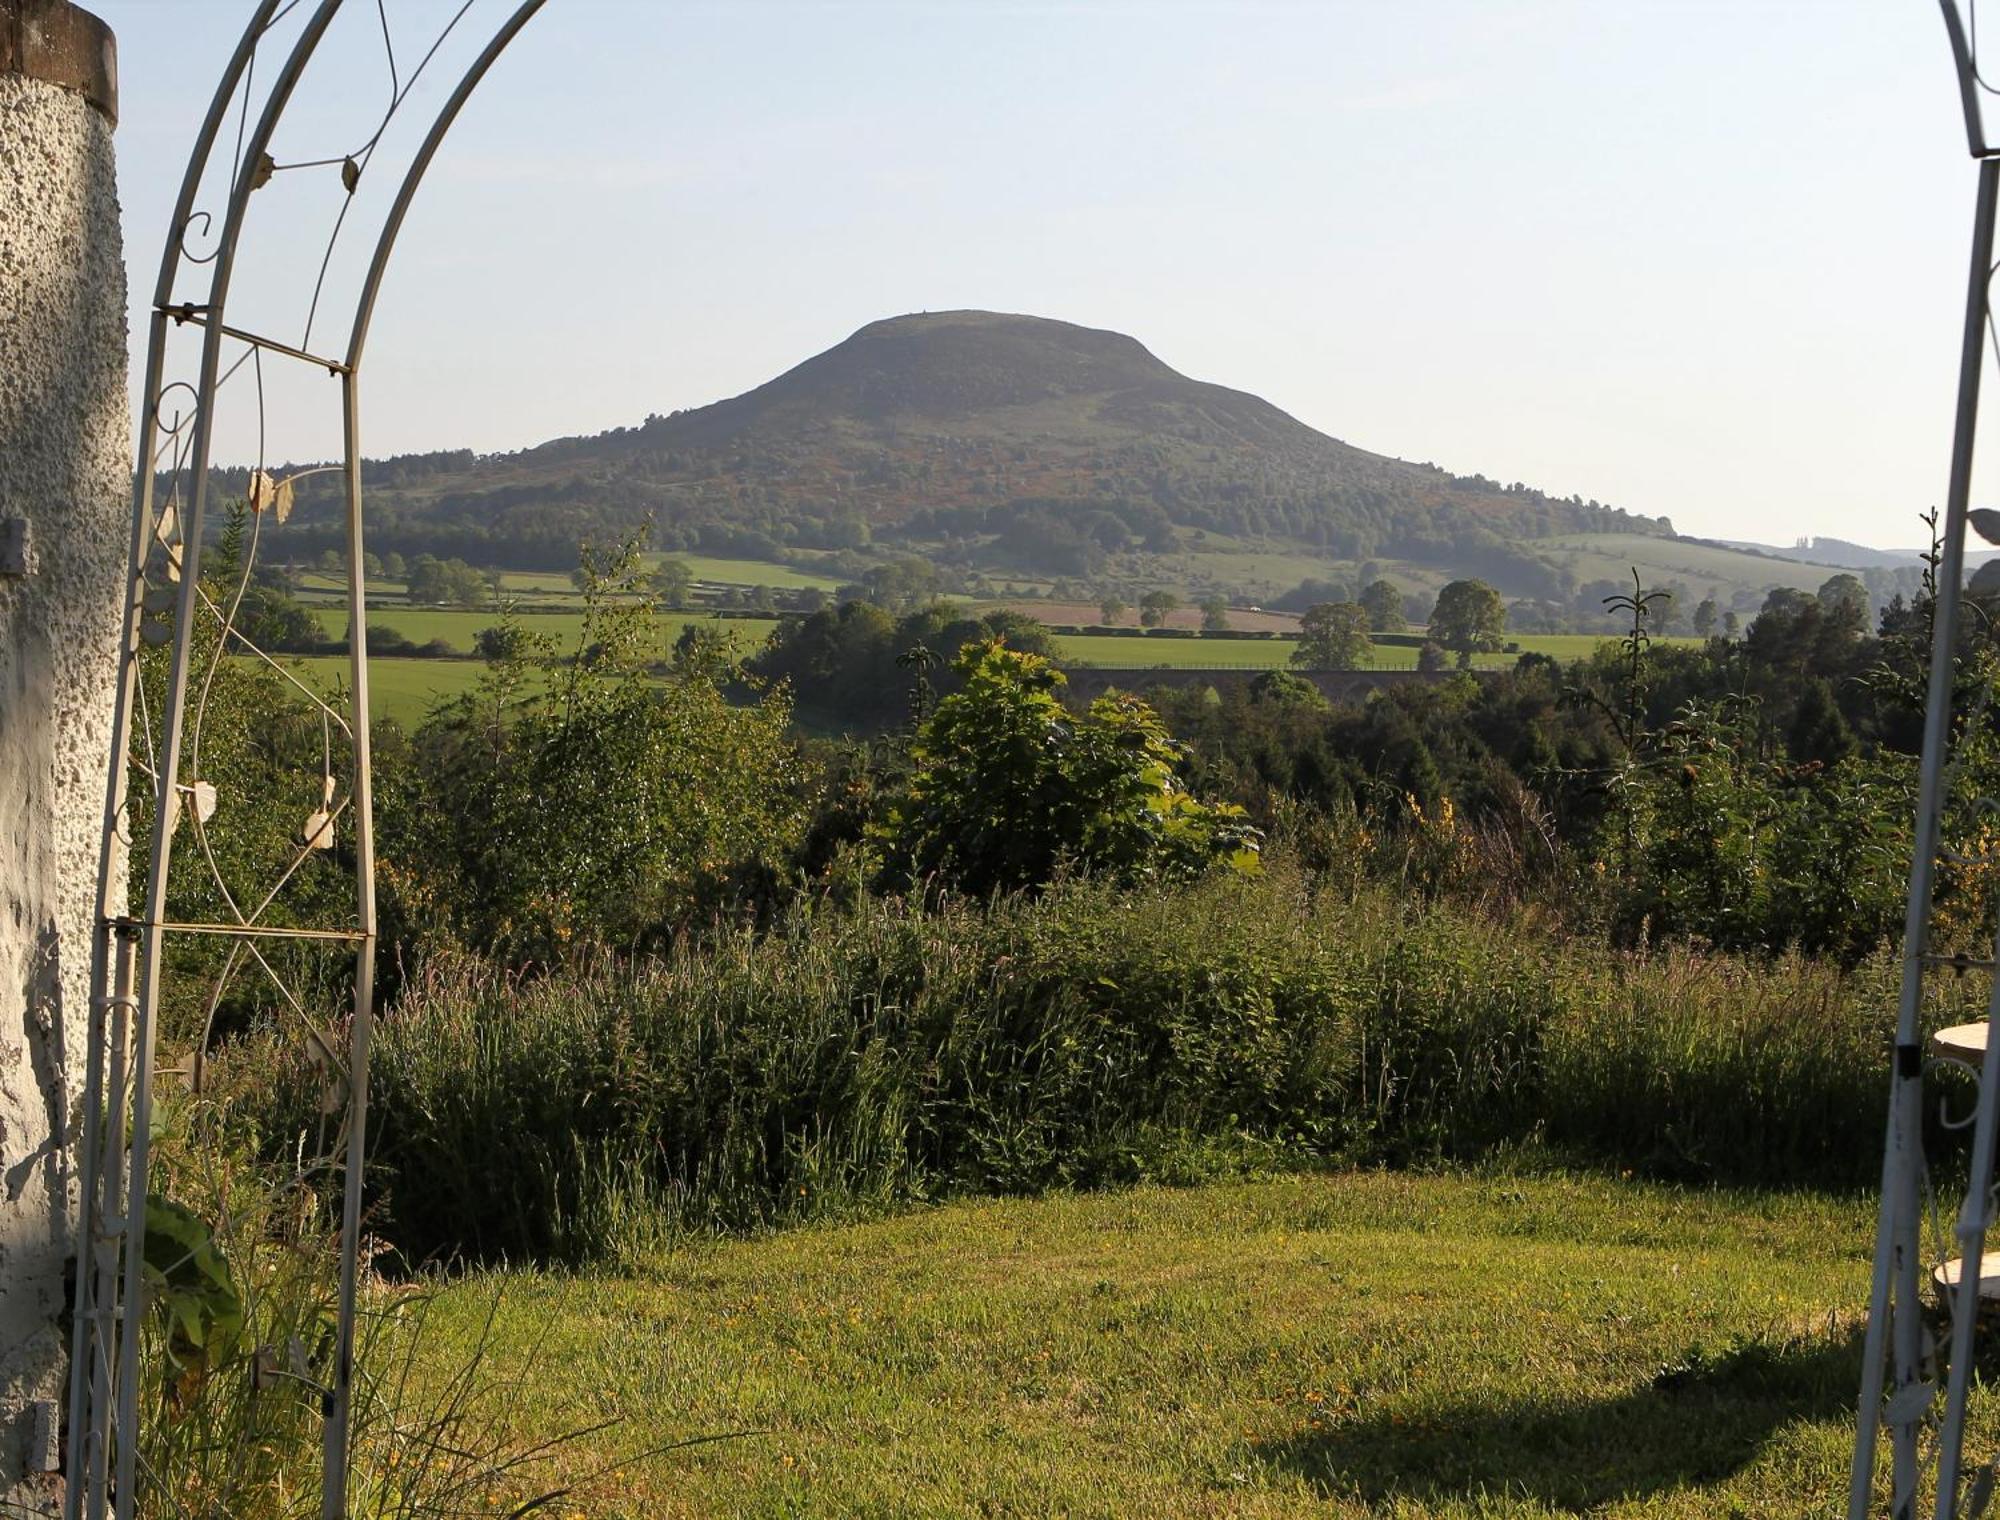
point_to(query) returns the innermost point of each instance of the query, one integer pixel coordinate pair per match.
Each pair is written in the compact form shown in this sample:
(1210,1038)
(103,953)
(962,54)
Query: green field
(404,690)
(318,586)
(413,684)
(1362,1345)
(555,585)
(1708,571)
(1112,651)
(460,627)
(751,572)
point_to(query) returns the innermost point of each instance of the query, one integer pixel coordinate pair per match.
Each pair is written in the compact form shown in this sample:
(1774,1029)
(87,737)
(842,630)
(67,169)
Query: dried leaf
(350,174)
(281,502)
(204,800)
(326,791)
(165,526)
(261,175)
(318,832)
(262,491)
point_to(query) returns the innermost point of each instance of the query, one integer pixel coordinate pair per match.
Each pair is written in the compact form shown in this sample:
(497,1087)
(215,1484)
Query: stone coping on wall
(55,41)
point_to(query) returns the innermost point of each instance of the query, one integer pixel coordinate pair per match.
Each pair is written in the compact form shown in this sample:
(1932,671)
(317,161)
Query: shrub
(1010,788)
(594,806)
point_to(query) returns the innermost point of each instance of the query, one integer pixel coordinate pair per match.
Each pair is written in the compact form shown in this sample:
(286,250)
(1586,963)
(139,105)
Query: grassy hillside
(1709,571)
(1344,1346)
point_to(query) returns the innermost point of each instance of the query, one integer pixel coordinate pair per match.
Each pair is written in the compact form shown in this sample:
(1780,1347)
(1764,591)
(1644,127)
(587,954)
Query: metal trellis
(1898,1347)
(162,748)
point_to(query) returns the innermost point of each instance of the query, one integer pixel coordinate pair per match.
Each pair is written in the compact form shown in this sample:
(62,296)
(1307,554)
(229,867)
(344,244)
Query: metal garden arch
(176,436)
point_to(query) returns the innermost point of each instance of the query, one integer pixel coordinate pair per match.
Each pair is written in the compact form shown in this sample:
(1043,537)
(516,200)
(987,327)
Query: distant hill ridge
(986,442)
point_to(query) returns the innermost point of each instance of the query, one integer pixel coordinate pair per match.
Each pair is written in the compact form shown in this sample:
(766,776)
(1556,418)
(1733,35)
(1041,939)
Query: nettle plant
(1011,788)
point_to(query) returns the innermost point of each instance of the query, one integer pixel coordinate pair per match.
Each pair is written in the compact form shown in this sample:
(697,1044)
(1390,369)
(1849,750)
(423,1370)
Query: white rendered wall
(65,468)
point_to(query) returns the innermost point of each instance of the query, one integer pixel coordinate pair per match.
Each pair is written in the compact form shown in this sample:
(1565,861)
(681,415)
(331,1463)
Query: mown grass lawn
(1348,1345)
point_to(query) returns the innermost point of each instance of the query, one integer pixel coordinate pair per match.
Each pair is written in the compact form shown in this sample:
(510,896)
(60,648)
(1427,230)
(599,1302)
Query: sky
(1696,258)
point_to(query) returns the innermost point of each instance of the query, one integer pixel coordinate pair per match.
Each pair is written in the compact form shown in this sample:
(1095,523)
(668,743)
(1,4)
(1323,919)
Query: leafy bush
(1010,787)
(597,805)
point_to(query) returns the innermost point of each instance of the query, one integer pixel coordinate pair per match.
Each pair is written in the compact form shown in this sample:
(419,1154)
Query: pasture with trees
(1332,636)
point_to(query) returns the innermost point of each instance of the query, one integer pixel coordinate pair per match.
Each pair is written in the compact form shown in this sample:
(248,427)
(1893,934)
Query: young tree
(1010,788)
(672,580)
(1332,636)
(1845,601)
(1155,607)
(1704,617)
(1469,615)
(1431,658)
(576,802)
(1215,615)
(1112,607)
(1818,729)
(1384,605)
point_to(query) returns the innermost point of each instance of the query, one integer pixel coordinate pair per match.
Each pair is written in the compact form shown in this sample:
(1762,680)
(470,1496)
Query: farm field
(1084,614)
(751,572)
(1372,1344)
(1106,651)
(460,627)
(556,585)
(1116,652)
(1707,570)
(404,690)
(1269,572)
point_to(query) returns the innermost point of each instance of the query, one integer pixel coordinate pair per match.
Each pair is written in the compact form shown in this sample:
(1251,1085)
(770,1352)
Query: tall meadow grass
(868,1055)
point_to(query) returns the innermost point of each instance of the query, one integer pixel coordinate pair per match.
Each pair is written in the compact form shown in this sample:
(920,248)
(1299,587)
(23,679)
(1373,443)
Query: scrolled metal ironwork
(158,755)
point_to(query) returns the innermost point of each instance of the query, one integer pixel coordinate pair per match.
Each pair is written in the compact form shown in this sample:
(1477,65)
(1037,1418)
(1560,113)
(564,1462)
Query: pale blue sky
(1695,257)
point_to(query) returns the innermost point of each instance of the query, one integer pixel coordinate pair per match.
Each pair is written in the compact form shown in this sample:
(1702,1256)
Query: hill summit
(964,367)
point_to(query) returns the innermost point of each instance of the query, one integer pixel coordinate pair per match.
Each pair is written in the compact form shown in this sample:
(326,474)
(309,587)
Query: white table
(1966,1043)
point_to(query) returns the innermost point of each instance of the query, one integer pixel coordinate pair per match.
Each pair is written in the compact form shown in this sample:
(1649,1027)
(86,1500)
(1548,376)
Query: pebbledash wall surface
(65,514)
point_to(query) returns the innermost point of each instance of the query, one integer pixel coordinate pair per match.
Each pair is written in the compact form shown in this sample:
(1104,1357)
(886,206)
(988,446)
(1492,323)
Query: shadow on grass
(1693,1423)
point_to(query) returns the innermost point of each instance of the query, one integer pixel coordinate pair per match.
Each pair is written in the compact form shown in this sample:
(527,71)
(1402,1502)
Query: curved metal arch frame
(1896,1347)
(114,1150)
